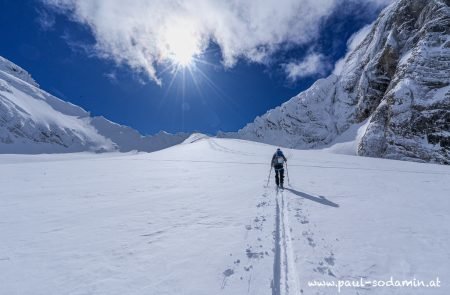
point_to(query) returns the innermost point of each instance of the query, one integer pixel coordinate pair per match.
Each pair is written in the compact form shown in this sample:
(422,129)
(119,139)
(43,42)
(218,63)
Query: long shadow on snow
(320,199)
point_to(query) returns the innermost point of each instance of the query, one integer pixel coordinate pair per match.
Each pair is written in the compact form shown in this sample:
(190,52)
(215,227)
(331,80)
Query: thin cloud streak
(313,64)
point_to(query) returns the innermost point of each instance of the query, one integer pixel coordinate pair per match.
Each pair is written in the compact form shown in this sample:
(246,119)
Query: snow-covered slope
(398,79)
(33,121)
(195,137)
(10,68)
(196,219)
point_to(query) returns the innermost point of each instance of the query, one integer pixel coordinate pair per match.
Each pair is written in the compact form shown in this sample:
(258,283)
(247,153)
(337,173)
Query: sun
(182,45)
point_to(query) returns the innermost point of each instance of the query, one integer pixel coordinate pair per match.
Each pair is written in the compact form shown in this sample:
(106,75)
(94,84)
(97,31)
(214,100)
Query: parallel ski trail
(276,282)
(292,283)
(285,278)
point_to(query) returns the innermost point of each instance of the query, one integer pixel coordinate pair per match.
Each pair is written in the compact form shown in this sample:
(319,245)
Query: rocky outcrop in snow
(398,79)
(34,121)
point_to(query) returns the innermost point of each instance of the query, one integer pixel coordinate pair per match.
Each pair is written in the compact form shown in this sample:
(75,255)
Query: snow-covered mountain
(34,121)
(397,81)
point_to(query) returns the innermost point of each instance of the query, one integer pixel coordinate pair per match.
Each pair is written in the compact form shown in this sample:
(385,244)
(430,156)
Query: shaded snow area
(198,219)
(347,142)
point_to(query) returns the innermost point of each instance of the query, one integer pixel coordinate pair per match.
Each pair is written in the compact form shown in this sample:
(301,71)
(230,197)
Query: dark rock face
(412,122)
(398,79)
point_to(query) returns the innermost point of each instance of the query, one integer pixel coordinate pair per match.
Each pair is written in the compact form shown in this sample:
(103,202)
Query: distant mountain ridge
(397,79)
(34,121)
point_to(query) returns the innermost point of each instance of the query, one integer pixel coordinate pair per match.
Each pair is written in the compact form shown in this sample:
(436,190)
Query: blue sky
(241,67)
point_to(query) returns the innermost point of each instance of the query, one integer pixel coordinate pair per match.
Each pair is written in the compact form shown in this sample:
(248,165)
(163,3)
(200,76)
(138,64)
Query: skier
(278,161)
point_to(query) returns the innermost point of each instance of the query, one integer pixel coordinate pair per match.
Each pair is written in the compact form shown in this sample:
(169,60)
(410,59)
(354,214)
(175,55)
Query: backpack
(279,159)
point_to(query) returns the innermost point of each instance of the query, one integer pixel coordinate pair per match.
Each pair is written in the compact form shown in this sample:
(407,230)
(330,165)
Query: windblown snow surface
(197,218)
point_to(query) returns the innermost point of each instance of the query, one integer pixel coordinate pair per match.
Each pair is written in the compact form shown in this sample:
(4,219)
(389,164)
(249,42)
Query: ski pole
(268,179)
(287,174)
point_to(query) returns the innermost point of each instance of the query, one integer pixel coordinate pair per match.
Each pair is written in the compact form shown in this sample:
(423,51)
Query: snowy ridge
(195,137)
(304,121)
(34,121)
(397,78)
(16,71)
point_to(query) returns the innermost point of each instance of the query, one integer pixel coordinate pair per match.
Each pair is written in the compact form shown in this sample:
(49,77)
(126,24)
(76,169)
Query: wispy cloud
(353,42)
(144,33)
(111,76)
(313,64)
(45,19)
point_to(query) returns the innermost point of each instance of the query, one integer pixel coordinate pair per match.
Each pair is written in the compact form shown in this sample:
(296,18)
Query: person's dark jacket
(276,165)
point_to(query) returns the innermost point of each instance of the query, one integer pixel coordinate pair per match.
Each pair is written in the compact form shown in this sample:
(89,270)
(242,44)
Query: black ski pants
(279,176)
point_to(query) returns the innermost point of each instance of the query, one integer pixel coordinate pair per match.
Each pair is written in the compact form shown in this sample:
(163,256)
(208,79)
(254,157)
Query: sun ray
(196,84)
(221,94)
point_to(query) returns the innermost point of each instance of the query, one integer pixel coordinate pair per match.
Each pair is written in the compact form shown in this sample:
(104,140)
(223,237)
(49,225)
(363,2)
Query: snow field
(197,219)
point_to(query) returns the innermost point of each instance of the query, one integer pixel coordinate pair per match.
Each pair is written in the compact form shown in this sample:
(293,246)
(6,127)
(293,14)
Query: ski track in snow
(220,148)
(276,281)
(285,276)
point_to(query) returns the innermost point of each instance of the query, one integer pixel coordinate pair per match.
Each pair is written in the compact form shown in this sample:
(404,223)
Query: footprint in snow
(228,272)
(330,260)
(254,255)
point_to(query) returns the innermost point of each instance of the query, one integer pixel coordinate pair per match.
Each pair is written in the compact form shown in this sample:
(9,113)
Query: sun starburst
(181,44)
